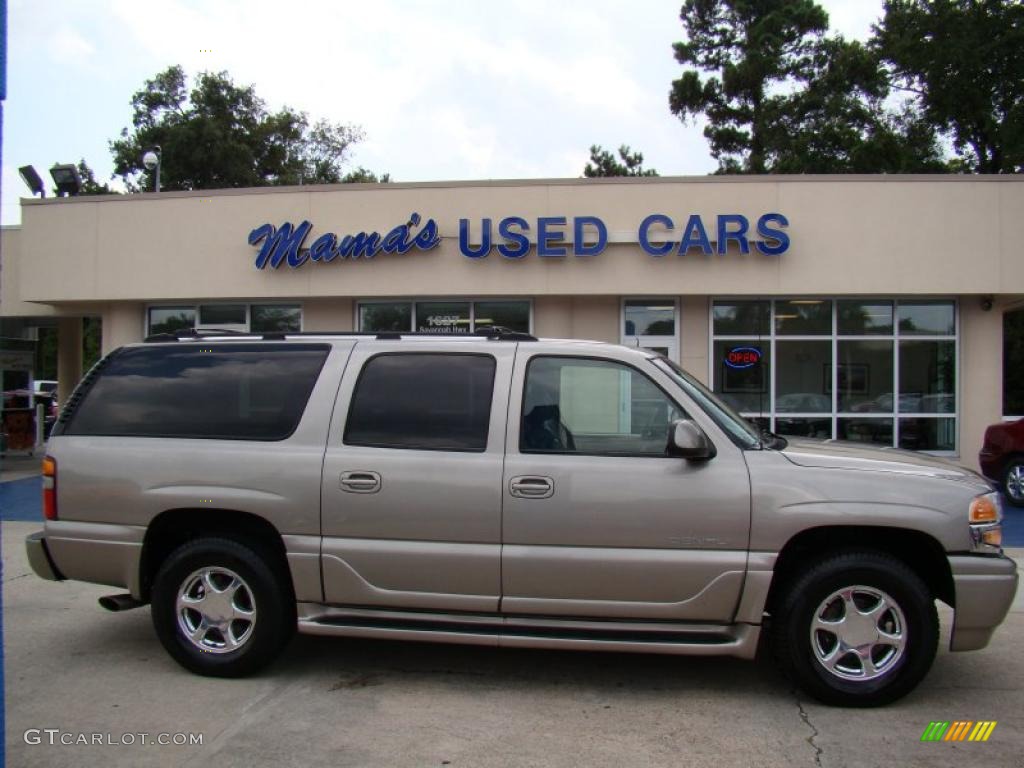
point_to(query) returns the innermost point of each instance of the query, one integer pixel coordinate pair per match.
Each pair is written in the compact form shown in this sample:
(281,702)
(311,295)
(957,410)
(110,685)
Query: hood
(829,454)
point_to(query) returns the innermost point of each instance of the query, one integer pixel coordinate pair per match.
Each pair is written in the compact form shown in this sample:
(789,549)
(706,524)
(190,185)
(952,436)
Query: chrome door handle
(531,487)
(360,482)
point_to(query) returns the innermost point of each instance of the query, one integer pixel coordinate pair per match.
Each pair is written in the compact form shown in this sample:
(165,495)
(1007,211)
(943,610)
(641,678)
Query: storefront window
(926,318)
(453,317)
(865,318)
(514,315)
(391,316)
(927,379)
(741,318)
(280,318)
(222,314)
(442,317)
(802,380)
(645,318)
(865,376)
(886,376)
(262,318)
(803,317)
(171,319)
(651,324)
(1013,363)
(741,375)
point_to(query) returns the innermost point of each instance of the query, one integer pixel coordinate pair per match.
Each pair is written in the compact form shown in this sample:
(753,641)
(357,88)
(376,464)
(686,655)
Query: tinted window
(577,405)
(228,391)
(423,401)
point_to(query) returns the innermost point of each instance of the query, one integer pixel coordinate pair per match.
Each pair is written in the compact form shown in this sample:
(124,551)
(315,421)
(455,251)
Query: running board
(739,640)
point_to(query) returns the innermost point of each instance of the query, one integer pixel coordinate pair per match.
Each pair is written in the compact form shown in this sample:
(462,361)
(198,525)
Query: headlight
(986,523)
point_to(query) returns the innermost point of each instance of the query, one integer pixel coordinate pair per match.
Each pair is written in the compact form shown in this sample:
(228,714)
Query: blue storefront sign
(513,237)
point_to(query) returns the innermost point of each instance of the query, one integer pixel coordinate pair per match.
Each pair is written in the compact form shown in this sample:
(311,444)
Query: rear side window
(225,391)
(433,402)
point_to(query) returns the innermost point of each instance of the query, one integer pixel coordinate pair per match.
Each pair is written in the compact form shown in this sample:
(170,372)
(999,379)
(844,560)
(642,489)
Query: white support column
(123,323)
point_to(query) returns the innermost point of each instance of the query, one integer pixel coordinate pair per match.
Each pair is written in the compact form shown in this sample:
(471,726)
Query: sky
(444,89)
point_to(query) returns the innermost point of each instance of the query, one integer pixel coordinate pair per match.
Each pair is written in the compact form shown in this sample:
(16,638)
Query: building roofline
(564,182)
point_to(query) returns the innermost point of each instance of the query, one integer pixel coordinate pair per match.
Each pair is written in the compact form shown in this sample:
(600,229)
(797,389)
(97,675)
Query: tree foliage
(222,135)
(964,59)
(603,163)
(780,95)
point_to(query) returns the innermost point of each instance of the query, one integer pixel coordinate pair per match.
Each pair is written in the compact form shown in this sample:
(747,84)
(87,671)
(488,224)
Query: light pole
(151,159)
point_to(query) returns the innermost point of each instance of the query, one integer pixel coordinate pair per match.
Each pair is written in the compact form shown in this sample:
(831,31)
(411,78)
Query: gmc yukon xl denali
(507,491)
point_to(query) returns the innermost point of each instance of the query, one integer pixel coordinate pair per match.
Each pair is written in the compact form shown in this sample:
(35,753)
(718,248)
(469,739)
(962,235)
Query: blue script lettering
(284,244)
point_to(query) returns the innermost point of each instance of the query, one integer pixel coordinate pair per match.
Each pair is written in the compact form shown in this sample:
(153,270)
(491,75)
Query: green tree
(363,176)
(222,135)
(603,163)
(964,61)
(780,95)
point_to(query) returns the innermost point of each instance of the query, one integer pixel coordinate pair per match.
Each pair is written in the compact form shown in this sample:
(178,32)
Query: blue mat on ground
(22,500)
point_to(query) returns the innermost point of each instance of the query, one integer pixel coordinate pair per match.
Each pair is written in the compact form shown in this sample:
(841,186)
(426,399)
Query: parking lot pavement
(333,702)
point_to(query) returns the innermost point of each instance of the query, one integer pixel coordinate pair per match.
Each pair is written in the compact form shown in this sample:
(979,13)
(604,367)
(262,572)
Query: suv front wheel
(856,629)
(219,609)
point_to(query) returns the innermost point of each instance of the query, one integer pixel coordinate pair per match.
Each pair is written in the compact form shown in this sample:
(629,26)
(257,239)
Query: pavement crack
(818,751)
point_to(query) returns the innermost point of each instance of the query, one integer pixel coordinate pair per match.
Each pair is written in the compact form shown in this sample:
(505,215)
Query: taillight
(50,488)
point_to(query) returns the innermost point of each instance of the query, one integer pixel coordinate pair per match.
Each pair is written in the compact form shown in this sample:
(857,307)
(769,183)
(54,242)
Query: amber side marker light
(50,488)
(983,510)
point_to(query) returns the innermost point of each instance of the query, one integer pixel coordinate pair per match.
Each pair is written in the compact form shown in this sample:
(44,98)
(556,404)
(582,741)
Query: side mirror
(687,441)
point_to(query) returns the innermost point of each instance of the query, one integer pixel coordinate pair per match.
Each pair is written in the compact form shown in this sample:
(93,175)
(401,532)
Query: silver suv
(507,491)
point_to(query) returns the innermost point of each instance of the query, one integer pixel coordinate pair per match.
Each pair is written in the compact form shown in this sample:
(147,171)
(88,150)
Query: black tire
(1012,484)
(263,590)
(898,668)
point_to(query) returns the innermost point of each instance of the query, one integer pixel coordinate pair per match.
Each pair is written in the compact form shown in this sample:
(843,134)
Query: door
(598,521)
(411,493)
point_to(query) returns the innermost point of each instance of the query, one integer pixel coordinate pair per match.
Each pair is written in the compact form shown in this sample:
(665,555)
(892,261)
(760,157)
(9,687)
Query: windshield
(741,430)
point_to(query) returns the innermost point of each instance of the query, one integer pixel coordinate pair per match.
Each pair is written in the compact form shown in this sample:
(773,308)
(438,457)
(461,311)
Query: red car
(1002,459)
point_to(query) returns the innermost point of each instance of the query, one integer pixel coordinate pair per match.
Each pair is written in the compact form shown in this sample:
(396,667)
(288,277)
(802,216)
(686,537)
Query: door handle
(531,487)
(360,481)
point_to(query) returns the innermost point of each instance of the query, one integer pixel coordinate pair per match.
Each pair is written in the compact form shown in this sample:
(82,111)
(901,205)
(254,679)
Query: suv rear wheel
(856,629)
(220,609)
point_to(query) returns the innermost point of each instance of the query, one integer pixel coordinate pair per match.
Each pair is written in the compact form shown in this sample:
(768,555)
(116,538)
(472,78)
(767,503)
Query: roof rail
(194,333)
(494,332)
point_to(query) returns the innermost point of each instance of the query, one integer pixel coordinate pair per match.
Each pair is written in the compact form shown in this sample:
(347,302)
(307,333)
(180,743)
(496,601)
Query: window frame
(607,454)
(770,338)
(419,353)
(413,315)
(644,341)
(246,327)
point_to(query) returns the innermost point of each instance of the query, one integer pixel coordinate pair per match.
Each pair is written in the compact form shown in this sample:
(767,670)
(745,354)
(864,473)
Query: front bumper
(985,588)
(39,557)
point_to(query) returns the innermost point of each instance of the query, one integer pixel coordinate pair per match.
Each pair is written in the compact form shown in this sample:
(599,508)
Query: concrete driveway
(73,667)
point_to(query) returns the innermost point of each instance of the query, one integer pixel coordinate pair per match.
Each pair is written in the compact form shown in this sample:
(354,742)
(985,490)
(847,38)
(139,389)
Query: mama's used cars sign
(513,237)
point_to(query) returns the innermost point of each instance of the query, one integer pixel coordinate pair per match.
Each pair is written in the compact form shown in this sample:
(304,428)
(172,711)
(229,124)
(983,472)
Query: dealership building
(866,308)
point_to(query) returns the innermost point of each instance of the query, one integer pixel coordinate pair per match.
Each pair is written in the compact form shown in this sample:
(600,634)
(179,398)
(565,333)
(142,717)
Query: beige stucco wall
(11,304)
(890,235)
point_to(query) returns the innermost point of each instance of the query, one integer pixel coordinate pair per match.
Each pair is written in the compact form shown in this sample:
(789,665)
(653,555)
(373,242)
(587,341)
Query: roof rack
(194,333)
(493,332)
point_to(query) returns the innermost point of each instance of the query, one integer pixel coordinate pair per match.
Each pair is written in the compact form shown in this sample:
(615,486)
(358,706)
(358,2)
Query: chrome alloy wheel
(1015,482)
(858,633)
(215,610)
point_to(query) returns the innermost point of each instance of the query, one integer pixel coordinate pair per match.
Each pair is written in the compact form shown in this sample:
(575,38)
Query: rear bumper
(39,557)
(985,588)
(100,553)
